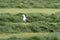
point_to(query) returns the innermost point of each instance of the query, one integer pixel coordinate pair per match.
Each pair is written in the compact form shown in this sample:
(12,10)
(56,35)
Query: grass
(43,26)
(12,23)
(30,4)
(32,10)
(30,36)
(21,35)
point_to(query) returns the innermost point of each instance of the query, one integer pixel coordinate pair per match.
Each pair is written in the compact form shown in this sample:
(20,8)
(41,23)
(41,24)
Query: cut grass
(36,10)
(24,35)
(30,36)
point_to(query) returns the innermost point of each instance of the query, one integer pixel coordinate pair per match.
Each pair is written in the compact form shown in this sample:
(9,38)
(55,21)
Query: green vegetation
(40,22)
(29,3)
(49,36)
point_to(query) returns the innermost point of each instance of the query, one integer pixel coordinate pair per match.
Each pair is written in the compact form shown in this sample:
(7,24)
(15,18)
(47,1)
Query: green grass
(31,10)
(29,3)
(12,23)
(31,36)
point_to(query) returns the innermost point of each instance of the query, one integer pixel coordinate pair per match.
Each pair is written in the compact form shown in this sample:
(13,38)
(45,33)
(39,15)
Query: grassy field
(44,16)
(44,25)
(22,35)
(30,36)
(12,23)
(32,10)
(30,4)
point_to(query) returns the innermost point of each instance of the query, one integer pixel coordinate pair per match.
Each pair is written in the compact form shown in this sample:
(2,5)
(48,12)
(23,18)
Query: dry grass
(16,10)
(22,35)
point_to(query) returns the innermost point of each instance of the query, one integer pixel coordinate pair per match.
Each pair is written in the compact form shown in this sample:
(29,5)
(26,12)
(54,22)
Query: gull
(25,19)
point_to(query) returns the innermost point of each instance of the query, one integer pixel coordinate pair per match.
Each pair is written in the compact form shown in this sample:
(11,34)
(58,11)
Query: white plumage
(25,19)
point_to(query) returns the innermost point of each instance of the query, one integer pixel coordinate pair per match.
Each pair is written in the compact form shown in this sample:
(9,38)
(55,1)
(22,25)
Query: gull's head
(23,15)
